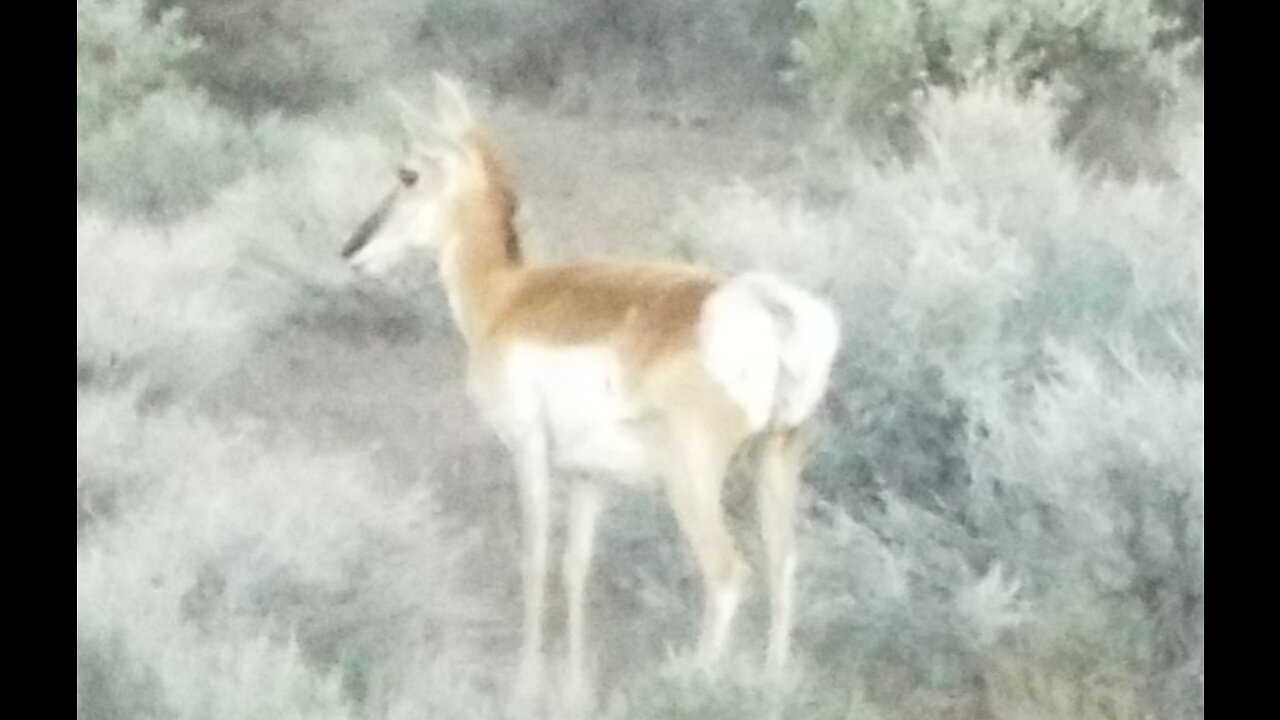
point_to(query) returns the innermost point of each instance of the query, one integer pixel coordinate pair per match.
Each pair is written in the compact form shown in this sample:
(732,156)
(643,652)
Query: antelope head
(412,221)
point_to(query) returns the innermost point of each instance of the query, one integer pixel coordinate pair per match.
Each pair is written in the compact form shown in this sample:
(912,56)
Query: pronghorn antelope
(643,373)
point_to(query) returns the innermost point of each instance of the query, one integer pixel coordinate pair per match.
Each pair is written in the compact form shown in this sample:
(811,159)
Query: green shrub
(294,55)
(147,141)
(864,61)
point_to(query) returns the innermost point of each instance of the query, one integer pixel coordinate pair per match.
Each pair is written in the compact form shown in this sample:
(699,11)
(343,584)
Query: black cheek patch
(361,236)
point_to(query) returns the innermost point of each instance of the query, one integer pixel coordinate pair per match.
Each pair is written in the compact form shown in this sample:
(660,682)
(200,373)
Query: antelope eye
(407,177)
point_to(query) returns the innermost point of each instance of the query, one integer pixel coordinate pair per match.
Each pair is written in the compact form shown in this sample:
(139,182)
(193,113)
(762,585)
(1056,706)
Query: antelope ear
(415,124)
(453,112)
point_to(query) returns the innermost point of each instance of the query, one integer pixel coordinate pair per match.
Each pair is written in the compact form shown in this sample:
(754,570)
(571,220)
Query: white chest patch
(577,396)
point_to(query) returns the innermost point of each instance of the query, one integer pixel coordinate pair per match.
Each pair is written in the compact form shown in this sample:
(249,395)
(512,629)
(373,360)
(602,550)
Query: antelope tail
(771,346)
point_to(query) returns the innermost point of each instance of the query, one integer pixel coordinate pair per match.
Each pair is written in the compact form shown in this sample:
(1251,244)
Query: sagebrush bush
(229,578)
(266,55)
(170,155)
(1016,438)
(864,61)
(147,140)
(162,302)
(1109,512)
(184,299)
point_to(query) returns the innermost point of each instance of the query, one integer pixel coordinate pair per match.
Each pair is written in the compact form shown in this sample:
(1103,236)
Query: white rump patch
(771,346)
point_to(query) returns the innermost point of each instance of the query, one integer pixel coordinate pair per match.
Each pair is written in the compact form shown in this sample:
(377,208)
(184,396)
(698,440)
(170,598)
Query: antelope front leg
(535,490)
(585,504)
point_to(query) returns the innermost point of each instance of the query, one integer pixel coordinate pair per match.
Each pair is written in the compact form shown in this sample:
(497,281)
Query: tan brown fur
(648,311)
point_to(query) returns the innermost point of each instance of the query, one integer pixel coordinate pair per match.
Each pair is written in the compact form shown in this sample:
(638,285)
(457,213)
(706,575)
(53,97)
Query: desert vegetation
(287,509)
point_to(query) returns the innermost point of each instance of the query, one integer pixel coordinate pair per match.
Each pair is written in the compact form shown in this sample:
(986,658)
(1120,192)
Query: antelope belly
(592,422)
